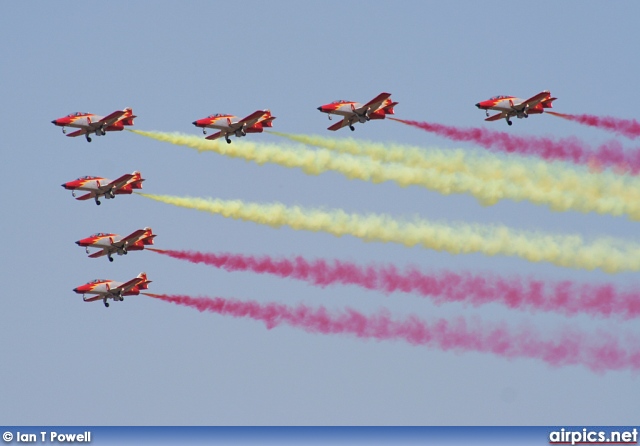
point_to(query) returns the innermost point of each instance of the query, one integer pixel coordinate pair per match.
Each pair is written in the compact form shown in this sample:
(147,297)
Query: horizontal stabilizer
(148,240)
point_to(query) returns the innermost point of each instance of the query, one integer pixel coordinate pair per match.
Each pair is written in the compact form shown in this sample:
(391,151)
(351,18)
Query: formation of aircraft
(227,124)
(352,112)
(102,187)
(510,106)
(89,123)
(104,290)
(108,244)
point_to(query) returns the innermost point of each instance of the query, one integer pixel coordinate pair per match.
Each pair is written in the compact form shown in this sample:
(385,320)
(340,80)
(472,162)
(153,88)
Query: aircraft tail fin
(548,103)
(136,181)
(128,117)
(144,285)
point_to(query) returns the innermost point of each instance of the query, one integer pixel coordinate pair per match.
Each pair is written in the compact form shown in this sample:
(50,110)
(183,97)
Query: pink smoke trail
(570,347)
(610,154)
(566,297)
(626,127)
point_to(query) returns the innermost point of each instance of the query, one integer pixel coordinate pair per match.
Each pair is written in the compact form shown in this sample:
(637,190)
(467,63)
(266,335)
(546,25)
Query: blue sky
(148,362)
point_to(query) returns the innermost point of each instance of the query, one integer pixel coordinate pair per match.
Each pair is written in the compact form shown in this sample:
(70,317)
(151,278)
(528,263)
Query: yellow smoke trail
(488,183)
(574,183)
(611,255)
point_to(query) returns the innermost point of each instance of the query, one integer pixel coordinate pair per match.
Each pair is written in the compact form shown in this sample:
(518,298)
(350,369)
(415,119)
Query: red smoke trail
(610,154)
(627,127)
(571,347)
(565,297)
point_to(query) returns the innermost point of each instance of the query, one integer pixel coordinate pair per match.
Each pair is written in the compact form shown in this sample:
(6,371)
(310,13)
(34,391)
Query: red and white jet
(103,187)
(89,123)
(352,112)
(510,106)
(109,289)
(113,243)
(254,123)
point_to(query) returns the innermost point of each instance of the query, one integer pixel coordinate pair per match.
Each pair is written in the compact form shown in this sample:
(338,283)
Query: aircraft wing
(117,183)
(128,285)
(496,117)
(78,133)
(339,125)
(109,120)
(250,120)
(86,196)
(95,255)
(533,101)
(375,103)
(214,136)
(92,299)
(131,238)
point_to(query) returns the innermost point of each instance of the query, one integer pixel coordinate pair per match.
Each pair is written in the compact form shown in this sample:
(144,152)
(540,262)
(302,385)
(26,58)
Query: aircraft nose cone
(79,243)
(478,105)
(320,108)
(64,185)
(54,122)
(75,290)
(195,123)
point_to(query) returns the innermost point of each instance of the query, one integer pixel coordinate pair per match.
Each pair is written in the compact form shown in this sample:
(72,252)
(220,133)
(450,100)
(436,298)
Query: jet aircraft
(103,187)
(510,106)
(109,244)
(89,123)
(103,290)
(226,124)
(352,112)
